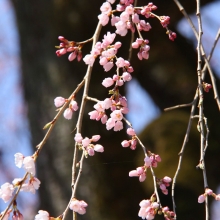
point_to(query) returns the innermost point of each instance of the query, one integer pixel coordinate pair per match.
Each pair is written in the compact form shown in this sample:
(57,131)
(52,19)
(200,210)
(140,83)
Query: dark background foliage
(169,76)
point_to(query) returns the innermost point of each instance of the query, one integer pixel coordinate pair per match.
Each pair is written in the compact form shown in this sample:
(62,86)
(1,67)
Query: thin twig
(216,96)
(81,113)
(179,106)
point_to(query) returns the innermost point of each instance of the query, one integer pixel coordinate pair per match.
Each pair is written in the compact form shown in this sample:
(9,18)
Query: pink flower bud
(209,192)
(125,143)
(99,148)
(68,113)
(133,173)
(142,177)
(78,137)
(135,45)
(201,198)
(85,142)
(108,66)
(107,82)
(167,179)
(95,138)
(73,105)
(148,161)
(131,131)
(72,56)
(91,152)
(157,158)
(59,101)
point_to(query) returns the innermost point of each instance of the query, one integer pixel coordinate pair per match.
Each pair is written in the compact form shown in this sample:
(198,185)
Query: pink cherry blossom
(120,62)
(72,56)
(107,82)
(19,159)
(108,38)
(148,161)
(126,76)
(85,142)
(95,138)
(99,148)
(107,103)
(110,124)
(116,115)
(125,143)
(167,179)
(78,137)
(133,144)
(29,165)
(68,113)
(59,101)
(131,131)
(201,198)
(78,206)
(74,105)
(108,66)
(118,126)
(42,215)
(103,18)
(140,172)
(32,185)
(90,151)
(6,191)
(106,8)
(89,59)
(209,192)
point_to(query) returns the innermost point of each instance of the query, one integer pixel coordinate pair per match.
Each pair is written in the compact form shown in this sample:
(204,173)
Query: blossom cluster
(148,162)
(73,106)
(208,192)
(69,46)
(164,183)
(130,143)
(149,208)
(86,144)
(31,185)
(118,106)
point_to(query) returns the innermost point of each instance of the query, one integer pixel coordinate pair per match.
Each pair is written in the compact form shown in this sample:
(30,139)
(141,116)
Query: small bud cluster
(206,86)
(73,106)
(130,143)
(86,144)
(208,192)
(69,46)
(168,215)
(148,162)
(163,183)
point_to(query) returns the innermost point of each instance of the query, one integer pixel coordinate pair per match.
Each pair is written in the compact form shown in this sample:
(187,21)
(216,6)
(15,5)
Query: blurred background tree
(169,76)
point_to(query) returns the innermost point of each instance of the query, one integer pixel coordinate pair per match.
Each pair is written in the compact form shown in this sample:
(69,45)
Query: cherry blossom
(78,206)
(29,165)
(6,191)
(19,159)
(42,215)
(59,101)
